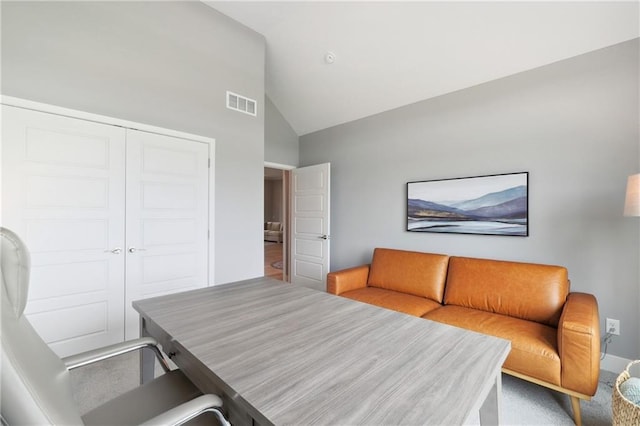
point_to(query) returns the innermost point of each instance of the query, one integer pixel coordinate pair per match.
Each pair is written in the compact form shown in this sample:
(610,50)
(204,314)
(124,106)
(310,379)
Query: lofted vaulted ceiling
(390,53)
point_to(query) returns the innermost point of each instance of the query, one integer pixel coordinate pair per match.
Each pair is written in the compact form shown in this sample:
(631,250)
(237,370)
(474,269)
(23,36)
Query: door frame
(286,212)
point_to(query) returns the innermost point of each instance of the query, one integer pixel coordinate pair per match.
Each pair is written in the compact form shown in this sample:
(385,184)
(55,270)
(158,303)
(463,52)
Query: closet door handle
(133,249)
(116,250)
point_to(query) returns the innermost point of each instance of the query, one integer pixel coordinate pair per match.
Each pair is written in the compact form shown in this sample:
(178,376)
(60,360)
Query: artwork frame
(482,205)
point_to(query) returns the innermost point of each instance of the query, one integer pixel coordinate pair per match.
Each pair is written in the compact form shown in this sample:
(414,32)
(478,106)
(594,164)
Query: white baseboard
(614,364)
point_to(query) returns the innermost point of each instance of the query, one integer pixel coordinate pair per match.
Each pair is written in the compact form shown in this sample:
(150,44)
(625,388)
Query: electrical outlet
(613,326)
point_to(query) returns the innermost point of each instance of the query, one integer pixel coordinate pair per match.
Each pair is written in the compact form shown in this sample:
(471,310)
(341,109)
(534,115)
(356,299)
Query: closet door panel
(167,218)
(63,185)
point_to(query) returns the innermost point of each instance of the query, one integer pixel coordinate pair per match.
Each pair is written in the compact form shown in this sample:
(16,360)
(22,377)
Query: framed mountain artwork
(486,205)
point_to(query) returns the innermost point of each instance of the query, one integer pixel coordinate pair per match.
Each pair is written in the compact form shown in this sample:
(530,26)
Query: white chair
(35,383)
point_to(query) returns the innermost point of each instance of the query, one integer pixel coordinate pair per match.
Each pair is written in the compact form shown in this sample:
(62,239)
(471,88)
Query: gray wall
(166,64)
(573,125)
(280,140)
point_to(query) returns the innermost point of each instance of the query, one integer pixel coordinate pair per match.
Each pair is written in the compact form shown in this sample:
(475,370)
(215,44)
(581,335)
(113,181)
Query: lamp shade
(632,200)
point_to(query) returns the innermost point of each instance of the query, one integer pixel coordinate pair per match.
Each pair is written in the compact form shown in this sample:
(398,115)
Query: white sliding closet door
(63,183)
(167,218)
(110,215)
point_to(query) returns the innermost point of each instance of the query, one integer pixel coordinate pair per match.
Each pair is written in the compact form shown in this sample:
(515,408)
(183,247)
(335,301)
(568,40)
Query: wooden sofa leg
(575,406)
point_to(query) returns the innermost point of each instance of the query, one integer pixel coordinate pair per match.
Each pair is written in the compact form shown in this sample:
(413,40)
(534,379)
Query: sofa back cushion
(419,274)
(273,226)
(528,291)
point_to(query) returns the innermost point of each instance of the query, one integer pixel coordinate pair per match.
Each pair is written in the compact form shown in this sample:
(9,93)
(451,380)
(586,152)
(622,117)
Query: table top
(301,356)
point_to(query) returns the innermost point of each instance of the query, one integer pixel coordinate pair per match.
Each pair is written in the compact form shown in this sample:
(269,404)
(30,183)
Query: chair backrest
(35,384)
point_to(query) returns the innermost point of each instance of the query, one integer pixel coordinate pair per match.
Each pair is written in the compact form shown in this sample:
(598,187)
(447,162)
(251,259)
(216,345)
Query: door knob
(116,250)
(324,237)
(133,249)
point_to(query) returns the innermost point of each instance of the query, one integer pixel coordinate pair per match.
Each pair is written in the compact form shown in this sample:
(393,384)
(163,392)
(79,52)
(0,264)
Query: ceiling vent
(240,103)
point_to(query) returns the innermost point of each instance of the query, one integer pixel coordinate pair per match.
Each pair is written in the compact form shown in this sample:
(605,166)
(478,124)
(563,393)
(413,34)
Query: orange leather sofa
(554,334)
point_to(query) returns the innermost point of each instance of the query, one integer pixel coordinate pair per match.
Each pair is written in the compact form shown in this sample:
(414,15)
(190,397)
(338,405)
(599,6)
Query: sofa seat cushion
(401,302)
(534,346)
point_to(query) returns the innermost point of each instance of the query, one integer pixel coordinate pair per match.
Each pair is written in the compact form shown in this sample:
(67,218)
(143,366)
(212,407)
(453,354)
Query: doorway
(305,246)
(276,227)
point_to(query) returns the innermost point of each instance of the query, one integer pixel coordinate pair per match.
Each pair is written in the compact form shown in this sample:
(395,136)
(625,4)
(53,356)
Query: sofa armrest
(347,279)
(579,343)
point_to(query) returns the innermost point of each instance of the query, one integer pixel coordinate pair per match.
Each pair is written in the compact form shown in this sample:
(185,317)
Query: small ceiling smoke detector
(330,57)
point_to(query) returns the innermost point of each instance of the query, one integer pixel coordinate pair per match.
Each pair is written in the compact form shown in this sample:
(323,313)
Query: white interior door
(310,195)
(63,185)
(167,218)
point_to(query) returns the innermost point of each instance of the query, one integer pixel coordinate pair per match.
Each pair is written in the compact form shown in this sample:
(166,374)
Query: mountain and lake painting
(488,205)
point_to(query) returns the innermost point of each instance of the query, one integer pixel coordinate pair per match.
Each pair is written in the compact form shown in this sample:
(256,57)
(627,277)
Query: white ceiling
(390,54)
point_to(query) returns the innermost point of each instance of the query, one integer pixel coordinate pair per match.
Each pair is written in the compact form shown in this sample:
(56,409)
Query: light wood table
(286,355)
